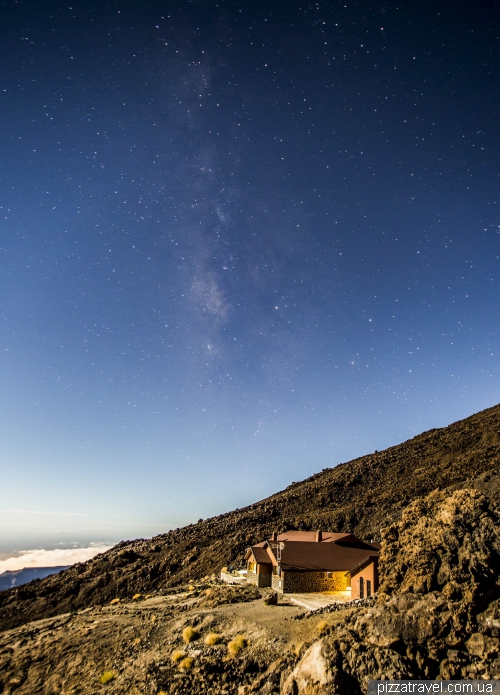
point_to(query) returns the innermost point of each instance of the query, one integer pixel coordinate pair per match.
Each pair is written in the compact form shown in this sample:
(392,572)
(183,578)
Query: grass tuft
(115,600)
(107,677)
(136,596)
(212,638)
(189,634)
(237,644)
(177,655)
(186,663)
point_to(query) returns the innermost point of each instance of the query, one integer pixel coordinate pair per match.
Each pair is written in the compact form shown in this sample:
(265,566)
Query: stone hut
(309,561)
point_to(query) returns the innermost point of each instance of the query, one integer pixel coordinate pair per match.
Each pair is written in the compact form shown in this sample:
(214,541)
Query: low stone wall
(232,578)
(259,580)
(304,582)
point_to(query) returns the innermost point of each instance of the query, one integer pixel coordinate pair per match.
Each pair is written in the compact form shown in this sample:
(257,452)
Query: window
(368,588)
(329,575)
(361,587)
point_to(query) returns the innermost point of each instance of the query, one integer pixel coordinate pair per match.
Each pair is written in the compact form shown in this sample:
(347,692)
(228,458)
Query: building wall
(259,579)
(292,582)
(368,573)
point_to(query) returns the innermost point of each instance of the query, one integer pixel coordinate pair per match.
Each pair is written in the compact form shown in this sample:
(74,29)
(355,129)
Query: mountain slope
(11,578)
(361,496)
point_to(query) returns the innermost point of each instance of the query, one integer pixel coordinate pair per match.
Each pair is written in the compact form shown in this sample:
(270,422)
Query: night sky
(240,242)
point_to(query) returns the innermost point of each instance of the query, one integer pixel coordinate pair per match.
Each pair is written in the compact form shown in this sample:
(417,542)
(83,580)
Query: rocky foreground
(437,615)
(361,496)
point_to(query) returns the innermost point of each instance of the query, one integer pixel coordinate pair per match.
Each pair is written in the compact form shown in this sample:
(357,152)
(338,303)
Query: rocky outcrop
(444,543)
(438,612)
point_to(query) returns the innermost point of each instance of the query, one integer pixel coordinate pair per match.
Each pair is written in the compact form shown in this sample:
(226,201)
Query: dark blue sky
(240,242)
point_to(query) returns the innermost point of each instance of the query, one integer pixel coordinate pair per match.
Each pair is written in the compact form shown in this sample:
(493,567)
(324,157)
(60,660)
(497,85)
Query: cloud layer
(50,558)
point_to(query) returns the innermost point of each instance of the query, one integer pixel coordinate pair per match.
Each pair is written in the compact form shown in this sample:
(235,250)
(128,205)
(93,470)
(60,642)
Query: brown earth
(135,640)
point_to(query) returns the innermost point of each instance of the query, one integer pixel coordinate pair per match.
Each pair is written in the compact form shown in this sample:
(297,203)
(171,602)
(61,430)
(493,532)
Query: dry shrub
(177,655)
(237,644)
(297,648)
(107,677)
(322,626)
(136,596)
(212,638)
(189,634)
(115,600)
(186,663)
(154,618)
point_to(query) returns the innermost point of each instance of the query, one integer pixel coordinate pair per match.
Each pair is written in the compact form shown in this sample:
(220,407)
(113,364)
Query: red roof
(310,536)
(260,553)
(336,552)
(326,557)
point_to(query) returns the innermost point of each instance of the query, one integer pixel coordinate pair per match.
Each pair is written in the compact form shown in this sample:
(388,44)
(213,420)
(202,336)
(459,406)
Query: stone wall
(232,578)
(277,583)
(305,582)
(259,580)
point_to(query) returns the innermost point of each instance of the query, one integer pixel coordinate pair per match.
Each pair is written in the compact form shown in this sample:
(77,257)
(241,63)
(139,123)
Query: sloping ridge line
(361,497)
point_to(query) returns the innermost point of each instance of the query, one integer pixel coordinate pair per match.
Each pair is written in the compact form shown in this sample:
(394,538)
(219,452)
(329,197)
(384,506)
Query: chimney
(319,536)
(275,536)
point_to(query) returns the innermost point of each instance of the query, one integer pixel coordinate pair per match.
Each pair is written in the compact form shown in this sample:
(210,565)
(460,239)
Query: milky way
(240,242)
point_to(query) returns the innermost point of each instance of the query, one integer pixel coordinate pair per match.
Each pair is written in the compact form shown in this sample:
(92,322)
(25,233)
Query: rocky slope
(362,496)
(437,615)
